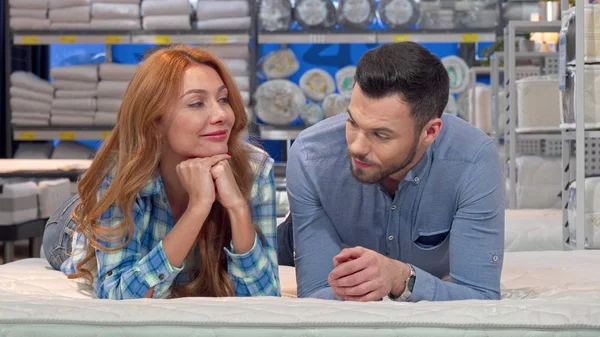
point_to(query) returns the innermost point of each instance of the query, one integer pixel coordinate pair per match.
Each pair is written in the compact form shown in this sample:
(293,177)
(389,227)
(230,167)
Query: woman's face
(200,121)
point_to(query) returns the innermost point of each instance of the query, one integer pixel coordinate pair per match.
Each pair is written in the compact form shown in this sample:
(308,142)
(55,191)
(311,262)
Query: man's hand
(363,275)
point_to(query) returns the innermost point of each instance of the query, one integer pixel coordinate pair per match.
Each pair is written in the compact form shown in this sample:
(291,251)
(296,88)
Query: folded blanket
(229,51)
(53,4)
(207,10)
(223,24)
(29,122)
(70,26)
(171,7)
(75,93)
(117,72)
(167,22)
(85,73)
(85,104)
(109,104)
(105,118)
(28,13)
(70,14)
(115,89)
(242,82)
(116,24)
(72,113)
(30,115)
(74,85)
(115,11)
(30,81)
(27,94)
(29,24)
(236,67)
(72,120)
(29,105)
(29,4)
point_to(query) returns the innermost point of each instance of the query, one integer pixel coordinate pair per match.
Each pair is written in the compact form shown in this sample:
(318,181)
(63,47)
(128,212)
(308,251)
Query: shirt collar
(415,175)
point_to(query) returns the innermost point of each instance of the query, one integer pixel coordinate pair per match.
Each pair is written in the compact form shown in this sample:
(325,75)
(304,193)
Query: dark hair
(409,70)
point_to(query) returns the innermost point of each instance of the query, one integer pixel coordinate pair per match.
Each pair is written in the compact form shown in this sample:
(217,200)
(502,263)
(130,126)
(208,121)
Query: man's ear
(432,130)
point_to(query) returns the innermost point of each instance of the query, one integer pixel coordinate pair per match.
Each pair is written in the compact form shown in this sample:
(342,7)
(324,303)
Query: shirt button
(495,258)
(393,207)
(391,237)
(109,273)
(417,179)
(161,276)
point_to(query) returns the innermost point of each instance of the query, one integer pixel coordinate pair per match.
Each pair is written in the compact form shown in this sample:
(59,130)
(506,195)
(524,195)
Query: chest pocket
(431,235)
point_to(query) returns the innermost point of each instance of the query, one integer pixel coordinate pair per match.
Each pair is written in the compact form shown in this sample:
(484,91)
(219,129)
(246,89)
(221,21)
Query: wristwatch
(408,289)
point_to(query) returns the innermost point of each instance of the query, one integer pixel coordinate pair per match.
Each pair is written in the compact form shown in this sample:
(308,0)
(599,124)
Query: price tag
(105,134)
(400,38)
(162,39)
(68,39)
(113,39)
(220,39)
(470,38)
(67,135)
(29,39)
(26,135)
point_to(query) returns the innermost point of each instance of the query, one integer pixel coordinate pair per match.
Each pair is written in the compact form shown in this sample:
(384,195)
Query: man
(394,196)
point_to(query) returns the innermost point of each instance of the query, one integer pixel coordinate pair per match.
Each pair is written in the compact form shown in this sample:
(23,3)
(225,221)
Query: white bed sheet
(545,294)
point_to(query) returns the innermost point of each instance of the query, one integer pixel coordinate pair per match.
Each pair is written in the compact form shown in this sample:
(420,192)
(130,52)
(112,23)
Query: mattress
(544,294)
(591,37)
(591,210)
(52,194)
(533,230)
(538,102)
(18,202)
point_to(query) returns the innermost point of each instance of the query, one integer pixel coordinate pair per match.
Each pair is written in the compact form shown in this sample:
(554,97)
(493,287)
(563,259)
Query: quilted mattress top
(541,290)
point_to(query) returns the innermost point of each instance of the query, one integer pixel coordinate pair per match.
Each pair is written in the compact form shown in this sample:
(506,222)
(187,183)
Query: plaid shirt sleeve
(256,272)
(126,273)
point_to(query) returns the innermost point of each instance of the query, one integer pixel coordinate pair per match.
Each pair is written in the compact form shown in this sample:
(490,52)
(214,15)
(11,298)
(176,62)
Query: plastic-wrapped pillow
(316,84)
(458,71)
(311,114)
(344,79)
(399,13)
(279,102)
(335,104)
(280,64)
(451,107)
(275,15)
(356,13)
(315,13)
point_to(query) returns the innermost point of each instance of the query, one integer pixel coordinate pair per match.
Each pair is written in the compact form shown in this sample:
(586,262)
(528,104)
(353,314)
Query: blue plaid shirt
(142,264)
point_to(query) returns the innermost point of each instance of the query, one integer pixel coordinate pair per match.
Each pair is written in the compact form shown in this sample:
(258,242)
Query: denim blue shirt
(446,219)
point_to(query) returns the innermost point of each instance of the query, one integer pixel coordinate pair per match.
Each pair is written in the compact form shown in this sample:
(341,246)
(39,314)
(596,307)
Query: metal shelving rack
(578,134)
(511,134)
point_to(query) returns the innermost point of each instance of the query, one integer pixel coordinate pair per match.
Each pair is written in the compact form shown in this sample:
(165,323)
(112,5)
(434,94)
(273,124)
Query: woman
(169,204)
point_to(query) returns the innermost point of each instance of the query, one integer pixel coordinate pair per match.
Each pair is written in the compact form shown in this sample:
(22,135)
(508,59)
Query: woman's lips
(217,135)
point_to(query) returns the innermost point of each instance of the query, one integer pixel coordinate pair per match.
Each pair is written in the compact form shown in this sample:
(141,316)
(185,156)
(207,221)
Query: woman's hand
(195,176)
(229,194)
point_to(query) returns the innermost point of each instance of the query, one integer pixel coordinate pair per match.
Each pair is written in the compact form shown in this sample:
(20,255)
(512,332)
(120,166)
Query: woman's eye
(224,100)
(196,104)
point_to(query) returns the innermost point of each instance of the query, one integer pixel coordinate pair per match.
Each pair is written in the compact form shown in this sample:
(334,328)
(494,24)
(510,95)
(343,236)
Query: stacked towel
(69,14)
(75,100)
(222,15)
(167,14)
(30,99)
(29,15)
(116,14)
(114,79)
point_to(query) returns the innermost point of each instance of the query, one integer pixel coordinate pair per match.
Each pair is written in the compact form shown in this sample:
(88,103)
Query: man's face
(381,137)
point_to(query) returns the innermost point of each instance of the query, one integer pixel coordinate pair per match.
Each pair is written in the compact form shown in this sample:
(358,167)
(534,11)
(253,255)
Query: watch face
(411,283)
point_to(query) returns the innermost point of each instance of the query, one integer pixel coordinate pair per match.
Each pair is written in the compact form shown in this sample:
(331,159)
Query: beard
(381,171)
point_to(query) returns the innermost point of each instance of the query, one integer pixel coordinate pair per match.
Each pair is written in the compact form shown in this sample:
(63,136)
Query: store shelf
(69,133)
(127,37)
(317,37)
(571,134)
(437,37)
(268,132)
(374,37)
(523,27)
